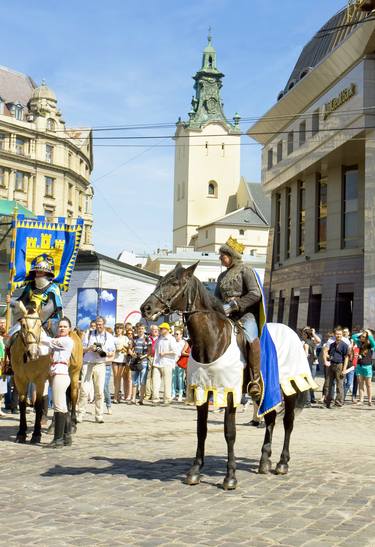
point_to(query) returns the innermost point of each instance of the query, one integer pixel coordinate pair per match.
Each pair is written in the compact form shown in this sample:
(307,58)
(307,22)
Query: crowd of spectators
(345,361)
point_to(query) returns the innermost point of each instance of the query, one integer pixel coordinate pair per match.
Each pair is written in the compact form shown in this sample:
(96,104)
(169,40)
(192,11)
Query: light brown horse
(31,367)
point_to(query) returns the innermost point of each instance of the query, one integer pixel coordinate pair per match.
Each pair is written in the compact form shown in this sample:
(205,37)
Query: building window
(70,157)
(350,220)
(49,186)
(290,142)
(302,133)
(80,202)
(206,234)
(212,189)
(301,217)
(81,168)
(270,158)
(20,146)
(49,213)
(315,123)
(17,111)
(321,213)
(87,204)
(277,226)
(49,153)
(288,211)
(293,310)
(280,311)
(51,124)
(242,232)
(315,305)
(2,177)
(279,153)
(2,141)
(20,181)
(1,106)
(70,194)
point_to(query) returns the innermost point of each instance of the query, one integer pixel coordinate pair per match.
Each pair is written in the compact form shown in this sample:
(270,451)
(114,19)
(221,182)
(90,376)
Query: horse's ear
(188,272)
(22,308)
(178,267)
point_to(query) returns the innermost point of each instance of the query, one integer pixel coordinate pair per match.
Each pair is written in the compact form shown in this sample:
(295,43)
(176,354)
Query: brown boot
(253,360)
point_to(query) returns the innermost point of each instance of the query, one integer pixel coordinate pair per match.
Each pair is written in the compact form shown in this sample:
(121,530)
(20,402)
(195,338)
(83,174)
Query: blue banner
(35,237)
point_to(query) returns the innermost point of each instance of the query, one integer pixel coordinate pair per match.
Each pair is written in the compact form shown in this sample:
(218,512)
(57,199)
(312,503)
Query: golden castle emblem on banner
(33,249)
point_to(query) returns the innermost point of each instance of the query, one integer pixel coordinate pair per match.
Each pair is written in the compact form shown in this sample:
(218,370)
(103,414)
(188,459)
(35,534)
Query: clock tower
(207,156)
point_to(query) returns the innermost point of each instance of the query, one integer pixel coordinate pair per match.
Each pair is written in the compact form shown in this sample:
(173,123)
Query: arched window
(212,189)
(51,124)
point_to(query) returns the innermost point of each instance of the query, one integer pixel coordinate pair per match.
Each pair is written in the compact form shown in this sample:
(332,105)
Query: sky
(121,63)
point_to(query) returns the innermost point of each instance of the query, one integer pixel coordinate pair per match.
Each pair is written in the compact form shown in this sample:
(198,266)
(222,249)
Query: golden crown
(235,245)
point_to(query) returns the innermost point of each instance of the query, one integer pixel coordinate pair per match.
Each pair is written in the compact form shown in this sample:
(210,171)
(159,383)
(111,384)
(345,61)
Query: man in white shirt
(98,348)
(164,363)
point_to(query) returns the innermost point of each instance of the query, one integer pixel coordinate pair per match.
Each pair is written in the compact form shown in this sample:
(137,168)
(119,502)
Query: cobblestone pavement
(121,483)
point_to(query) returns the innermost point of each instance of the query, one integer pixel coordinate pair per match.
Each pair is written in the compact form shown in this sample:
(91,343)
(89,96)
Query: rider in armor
(42,293)
(238,289)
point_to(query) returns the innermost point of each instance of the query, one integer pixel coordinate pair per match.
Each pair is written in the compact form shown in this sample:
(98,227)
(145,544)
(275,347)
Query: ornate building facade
(318,164)
(44,165)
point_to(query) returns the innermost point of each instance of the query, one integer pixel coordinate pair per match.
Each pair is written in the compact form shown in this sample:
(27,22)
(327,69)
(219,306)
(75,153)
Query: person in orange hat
(166,351)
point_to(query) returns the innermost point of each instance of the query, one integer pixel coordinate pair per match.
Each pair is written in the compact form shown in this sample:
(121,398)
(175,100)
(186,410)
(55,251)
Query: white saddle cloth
(220,377)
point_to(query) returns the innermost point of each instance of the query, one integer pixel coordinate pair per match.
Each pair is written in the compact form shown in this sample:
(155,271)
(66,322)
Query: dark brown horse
(210,333)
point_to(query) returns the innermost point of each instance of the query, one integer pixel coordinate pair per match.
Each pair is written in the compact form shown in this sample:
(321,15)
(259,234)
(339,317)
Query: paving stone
(123,484)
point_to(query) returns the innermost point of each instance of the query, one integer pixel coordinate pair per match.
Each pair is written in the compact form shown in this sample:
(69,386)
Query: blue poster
(93,302)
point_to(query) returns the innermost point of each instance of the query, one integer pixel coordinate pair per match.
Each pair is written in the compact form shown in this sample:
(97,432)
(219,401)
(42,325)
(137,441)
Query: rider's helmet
(42,263)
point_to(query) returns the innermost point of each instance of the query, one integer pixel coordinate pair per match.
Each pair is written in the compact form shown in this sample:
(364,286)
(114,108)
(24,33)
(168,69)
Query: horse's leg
(21,387)
(230,481)
(290,403)
(38,407)
(265,462)
(193,476)
(72,400)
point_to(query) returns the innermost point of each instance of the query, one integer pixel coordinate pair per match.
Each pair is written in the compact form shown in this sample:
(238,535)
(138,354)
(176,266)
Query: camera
(98,348)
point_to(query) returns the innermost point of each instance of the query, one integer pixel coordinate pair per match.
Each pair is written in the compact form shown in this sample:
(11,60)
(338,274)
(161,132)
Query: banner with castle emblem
(35,237)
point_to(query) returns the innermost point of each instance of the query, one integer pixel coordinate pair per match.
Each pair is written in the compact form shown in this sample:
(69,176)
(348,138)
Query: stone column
(369,231)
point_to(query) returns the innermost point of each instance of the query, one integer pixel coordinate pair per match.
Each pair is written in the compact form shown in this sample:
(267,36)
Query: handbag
(135,364)
(183,360)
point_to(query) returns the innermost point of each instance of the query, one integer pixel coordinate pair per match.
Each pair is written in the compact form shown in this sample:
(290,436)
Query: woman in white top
(61,349)
(119,363)
(164,363)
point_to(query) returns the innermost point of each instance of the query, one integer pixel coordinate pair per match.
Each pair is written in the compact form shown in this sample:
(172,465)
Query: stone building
(318,164)
(44,165)
(211,200)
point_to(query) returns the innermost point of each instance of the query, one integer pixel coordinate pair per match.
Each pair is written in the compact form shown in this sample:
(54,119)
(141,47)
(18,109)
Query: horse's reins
(36,340)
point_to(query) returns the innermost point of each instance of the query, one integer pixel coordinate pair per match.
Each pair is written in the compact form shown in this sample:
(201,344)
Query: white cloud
(110,320)
(107,296)
(88,300)
(83,323)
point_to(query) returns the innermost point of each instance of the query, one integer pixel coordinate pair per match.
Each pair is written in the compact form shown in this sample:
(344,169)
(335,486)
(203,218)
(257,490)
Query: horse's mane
(208,300)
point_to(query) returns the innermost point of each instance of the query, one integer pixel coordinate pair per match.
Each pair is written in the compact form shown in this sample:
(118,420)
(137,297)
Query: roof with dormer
(15,87)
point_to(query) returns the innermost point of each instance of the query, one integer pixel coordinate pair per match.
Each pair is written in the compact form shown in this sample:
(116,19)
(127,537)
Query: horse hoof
(230,484)
(282,469)
(21,439)
(35,439)
(191,480)
(265,467)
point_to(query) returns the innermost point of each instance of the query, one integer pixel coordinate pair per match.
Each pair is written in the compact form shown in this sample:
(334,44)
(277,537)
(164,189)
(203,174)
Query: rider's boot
(68,430)
(58,439)
(254,388)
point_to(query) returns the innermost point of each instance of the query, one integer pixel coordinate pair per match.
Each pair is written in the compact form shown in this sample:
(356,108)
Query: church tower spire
(207,105)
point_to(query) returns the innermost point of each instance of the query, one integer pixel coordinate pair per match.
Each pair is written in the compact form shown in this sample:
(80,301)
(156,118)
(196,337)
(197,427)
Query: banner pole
(11,269)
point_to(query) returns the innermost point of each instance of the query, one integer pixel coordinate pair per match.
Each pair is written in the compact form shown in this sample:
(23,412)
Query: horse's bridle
(165,302)
(30,333)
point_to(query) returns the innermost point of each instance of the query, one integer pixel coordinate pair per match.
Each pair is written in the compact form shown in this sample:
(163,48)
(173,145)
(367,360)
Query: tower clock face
(211,105)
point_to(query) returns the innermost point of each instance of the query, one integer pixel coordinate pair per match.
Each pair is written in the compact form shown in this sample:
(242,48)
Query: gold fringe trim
(192,396)
(304,382)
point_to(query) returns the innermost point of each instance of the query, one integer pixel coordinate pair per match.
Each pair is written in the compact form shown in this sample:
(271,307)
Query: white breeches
(60,383)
